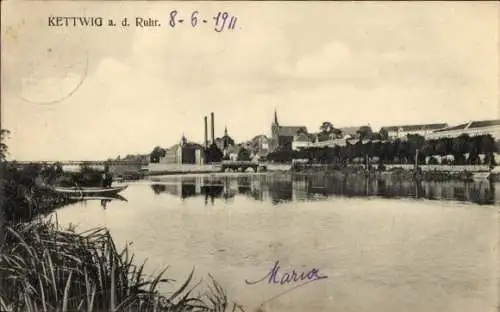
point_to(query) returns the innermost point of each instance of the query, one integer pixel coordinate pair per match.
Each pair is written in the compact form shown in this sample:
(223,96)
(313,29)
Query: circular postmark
(49,69)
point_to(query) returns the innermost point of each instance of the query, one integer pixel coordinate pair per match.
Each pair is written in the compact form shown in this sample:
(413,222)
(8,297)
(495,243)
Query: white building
(301,141)
(471,128)
(400,132)
(332,142)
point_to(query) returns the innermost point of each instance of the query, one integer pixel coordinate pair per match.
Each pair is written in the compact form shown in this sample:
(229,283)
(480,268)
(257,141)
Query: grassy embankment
(44,267)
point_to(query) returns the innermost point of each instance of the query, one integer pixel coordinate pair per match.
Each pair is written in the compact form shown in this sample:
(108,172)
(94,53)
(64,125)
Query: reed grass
(46,268)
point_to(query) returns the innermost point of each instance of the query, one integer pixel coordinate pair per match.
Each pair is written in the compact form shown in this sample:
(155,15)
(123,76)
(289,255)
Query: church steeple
(227,140)
(183,140)
(275,117)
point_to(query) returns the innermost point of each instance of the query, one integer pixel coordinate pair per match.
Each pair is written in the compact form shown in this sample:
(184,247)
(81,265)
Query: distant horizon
(243,141)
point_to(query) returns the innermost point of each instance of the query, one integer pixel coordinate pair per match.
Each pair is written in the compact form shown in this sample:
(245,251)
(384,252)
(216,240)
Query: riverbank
(176,169)
(171,169)
(425,172)
(46,267)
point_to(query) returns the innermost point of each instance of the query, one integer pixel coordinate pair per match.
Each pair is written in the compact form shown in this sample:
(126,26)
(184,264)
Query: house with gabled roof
(184,152)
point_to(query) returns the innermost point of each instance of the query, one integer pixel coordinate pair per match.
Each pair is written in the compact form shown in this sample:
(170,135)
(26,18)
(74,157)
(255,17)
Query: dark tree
(323,136)
(428,149)
(387,153)
(328,131)
(473,148)
(364,132)
(398,150)
(384,135)
(326,127)
(414,142)
(375,150)
(213,154)
(157,154)
(359,149)
(349,152)
(243,154)
(488,148)
(337,154)
(433,161)
(4,134)
(443,147)
(460,147)
(337,133)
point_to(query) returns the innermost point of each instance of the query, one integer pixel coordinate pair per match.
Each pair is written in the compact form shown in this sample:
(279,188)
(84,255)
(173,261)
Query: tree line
(464,149)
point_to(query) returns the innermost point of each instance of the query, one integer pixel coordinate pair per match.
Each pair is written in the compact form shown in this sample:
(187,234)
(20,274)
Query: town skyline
(242,141)
(311,130)
(402,63)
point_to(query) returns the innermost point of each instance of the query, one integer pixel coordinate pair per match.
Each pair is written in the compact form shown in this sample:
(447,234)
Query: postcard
(249,156)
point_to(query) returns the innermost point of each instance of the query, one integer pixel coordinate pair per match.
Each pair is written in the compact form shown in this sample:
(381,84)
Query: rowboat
(90,191)
(106,198)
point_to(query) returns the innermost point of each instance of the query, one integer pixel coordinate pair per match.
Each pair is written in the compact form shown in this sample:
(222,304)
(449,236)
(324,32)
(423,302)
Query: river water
(385,245)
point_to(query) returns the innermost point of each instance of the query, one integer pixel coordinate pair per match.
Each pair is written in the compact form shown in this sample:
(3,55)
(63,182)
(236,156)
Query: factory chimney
(213,127)
(206,131)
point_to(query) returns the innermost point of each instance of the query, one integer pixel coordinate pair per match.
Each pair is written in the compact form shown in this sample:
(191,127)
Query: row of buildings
(298,137)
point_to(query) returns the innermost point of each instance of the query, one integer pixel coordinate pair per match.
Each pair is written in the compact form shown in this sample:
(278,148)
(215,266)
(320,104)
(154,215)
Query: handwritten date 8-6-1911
(221,21)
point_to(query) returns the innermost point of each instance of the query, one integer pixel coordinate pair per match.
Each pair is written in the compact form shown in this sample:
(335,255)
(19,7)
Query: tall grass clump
(45,268)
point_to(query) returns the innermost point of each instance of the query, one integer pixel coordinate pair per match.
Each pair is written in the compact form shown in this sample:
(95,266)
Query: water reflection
(285,188)
(104,200)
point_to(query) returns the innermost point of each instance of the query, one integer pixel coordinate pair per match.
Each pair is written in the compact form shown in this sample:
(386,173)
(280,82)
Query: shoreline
(189,169)
(92,275)
(424,172)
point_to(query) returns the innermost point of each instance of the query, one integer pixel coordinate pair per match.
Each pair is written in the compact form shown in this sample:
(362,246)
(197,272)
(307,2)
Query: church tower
(225,140)
(183,141)
(275,132)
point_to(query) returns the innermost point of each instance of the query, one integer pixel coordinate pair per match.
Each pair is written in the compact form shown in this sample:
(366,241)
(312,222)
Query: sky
(81,93)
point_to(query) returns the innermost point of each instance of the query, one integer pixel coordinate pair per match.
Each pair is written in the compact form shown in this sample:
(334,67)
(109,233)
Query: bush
(433,161)
(243,155)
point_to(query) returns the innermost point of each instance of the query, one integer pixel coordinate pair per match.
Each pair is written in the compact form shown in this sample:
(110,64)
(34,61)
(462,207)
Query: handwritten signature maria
(274,276)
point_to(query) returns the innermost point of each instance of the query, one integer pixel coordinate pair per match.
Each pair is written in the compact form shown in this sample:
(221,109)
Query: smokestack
(206,131)
(213,127)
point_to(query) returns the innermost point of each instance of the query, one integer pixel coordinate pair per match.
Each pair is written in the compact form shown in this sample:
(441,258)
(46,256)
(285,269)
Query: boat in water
(106,198)
(90,191)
